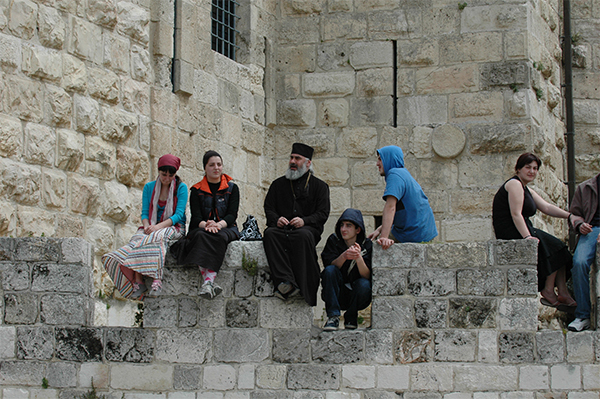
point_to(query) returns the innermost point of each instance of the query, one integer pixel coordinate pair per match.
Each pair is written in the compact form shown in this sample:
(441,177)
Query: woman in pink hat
(163,220)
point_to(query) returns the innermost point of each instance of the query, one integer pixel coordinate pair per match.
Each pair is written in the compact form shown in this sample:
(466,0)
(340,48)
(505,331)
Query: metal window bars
(223,27)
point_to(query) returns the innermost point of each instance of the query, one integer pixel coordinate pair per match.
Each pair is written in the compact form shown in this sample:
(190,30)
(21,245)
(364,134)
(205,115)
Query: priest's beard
(291,174)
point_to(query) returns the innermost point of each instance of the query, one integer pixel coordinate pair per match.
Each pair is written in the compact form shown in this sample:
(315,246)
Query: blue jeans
(338,296)
(582,262)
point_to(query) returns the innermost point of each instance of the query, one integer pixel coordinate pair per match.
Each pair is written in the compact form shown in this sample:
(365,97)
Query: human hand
(385,242)
(151,228)
(212,226)
(297,222)
(374,234)
(282,222)
(353,252)
(585,228)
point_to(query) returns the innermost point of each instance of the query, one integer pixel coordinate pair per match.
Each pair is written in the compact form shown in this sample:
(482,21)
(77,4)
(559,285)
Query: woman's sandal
(566,304)
(546,302)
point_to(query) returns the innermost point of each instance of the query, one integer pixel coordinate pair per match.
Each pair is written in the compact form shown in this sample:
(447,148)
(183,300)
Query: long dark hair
(526,159)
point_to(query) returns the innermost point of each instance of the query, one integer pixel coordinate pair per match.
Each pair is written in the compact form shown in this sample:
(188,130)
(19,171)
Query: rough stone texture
(480,282)
(515,347)
(241,313)
(455,346)
(431,313)
(343,347)
(413,347)
(392,312)
(241,345)
(424,282)
(291,346)
(35,343)
(183,346)
(472,313)
(187,378)
(79,344)
(129,345)
(20,308)
(50,277)
(522,281)
(318,377)
(59,309)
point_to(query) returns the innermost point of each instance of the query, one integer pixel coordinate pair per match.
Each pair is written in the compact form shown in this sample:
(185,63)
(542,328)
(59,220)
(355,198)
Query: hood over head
(391,157)
(354,216)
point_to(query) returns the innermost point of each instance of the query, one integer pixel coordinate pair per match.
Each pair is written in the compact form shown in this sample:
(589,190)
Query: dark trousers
(338,296)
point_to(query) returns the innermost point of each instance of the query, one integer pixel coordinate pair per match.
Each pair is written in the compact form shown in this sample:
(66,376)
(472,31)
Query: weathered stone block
(455,346)
(480,282)
(135,96)
(20,308)
(129,345)
(378,346)
(565,376)
(22,373)
(22,18)
(219,377)
(39,62)
(516,252)
(58,105)
(370,111)
(183,346)
(85,40)
(431,282)
(487,139)
(158,312)
(342,347)
(332,84)
(62,375)
(243,284)
(97,373)
(358,377)
(291,346)
(24,98)
(471,47)
(133,21)
(505,74)
(362,174)
(515,347)
(389,282)
(422,110)
(591,376)
(550,346)
(101,158)
(148,377)
(518,314)
(457,255)
(51,27)
(51,277)
(35,343)
(522,281)
(343,26)
(394,24)
(64,309)
(133,166)
(8,337)
(41,144)
(431,377)
(431,313)
(79,344)
(580,348)
(241,313)
(188,312)
(357,142)
(472,313)
(300,31)
(485,378)
(74,74)
(241,345)
(11,136)
(291,314)
(534,378)
(488,346)
(392,312)
(117,125)
(15,276)
(188,378)
(301,113)
(271,376)
(413,347)
(374,82)
(319,377)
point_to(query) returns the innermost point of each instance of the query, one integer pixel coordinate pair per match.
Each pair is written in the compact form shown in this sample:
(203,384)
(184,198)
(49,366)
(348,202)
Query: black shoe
(285,287)
(332,324)
(295,292)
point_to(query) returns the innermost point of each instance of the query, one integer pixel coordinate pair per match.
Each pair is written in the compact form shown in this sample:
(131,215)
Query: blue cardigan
(179,216)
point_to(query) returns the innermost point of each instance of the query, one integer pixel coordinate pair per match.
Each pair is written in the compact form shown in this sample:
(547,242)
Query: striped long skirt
(145,254)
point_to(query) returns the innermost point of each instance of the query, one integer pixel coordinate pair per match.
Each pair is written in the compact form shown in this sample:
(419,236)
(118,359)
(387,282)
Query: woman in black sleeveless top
(513,205)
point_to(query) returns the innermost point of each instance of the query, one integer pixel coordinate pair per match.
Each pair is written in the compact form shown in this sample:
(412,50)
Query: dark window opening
(223,27)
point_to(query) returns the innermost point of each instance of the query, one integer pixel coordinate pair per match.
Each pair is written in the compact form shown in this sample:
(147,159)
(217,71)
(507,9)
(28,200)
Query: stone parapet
(447,319)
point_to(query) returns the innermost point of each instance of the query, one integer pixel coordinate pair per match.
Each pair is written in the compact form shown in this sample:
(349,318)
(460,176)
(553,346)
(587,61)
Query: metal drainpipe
(568,65)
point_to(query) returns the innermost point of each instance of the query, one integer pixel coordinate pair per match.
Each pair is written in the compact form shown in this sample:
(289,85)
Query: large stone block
(158,312)
(485,378)
(483,106)
(389,282)
(550,346)
(129,345)
(52,277)
(37,249)
(370,111)
(580,348)
(488,139)
(24,98)
(422,110)
(300,31)
(35,343)
(346,26)
(11,137)
(64,310)
(431,282)
(485,46)
(22,16)
(87,114)
(102,12)
(219,377)
(334,113)
(8,337)
(319,377)
(396,24)
(183,345)
(515,347)
(522,281)
(62,375)
(500,17)
(405,255)
(22,373)
(85,40)
(431,377)
(100,158)
(103,84)
(74,74)
(341,347)
(291,346)
(84,195)
(379,346)
(413,347)
(133,166)
(447,80)
(331,84)
(187,378)
(518,314)
(366,55)
(392,312)
(41,144)
(15,276)
(141,68)
(115,203)
(357,142)
(271,376)
(455,346)
(468,254)
(133,21)
(247,345)
(291,314)
(480,282)
(472,313)
(10,52)
(42,63)
(20,308)
(505,74)
(58,106)
(241,313)
(431,313)
(51,27)
(154,377)
(79,344)
(301,113)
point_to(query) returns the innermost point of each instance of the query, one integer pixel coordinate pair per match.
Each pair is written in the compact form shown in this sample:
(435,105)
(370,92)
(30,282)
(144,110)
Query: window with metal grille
(223,27)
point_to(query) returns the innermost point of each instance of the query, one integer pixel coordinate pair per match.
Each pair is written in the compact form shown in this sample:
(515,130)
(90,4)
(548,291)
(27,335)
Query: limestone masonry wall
(448,320)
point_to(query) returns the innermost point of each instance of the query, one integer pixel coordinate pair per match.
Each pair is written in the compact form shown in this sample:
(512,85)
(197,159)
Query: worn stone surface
(455,346)
(378,346)
(515,347)
(392,312)
(522,281)
(317,377)
(413,347)
(389,282)
(431,282)
(343,347)
(247,345)
(241,313)
(35,343)
(472,312)
(129,345)
(183,346)
(480,282)
(79,344)
(187,378)
(49,277)
(64,309)
(431,313)
(291,346)
(158,312)
(20,308)
(518,314)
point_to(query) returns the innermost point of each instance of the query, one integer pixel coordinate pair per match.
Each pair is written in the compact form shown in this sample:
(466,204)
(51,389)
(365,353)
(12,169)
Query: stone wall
(478,83)
(449,320)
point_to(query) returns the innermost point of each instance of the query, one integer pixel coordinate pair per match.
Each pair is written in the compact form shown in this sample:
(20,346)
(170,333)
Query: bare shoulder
(513,185)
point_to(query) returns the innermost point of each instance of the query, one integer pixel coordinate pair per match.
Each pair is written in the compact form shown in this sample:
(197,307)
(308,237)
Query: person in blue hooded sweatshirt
(407,215)
(346,280)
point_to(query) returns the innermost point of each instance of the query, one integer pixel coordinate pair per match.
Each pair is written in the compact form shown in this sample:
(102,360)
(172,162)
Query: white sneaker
(579,325)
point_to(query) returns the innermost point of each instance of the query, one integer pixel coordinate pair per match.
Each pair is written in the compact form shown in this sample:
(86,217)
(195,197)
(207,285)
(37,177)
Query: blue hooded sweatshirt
(413,221)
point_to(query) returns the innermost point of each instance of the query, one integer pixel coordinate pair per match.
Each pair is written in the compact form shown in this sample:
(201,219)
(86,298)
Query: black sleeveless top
(504,227)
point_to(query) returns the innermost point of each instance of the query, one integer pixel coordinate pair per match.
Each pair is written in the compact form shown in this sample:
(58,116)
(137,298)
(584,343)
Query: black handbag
(250,230)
